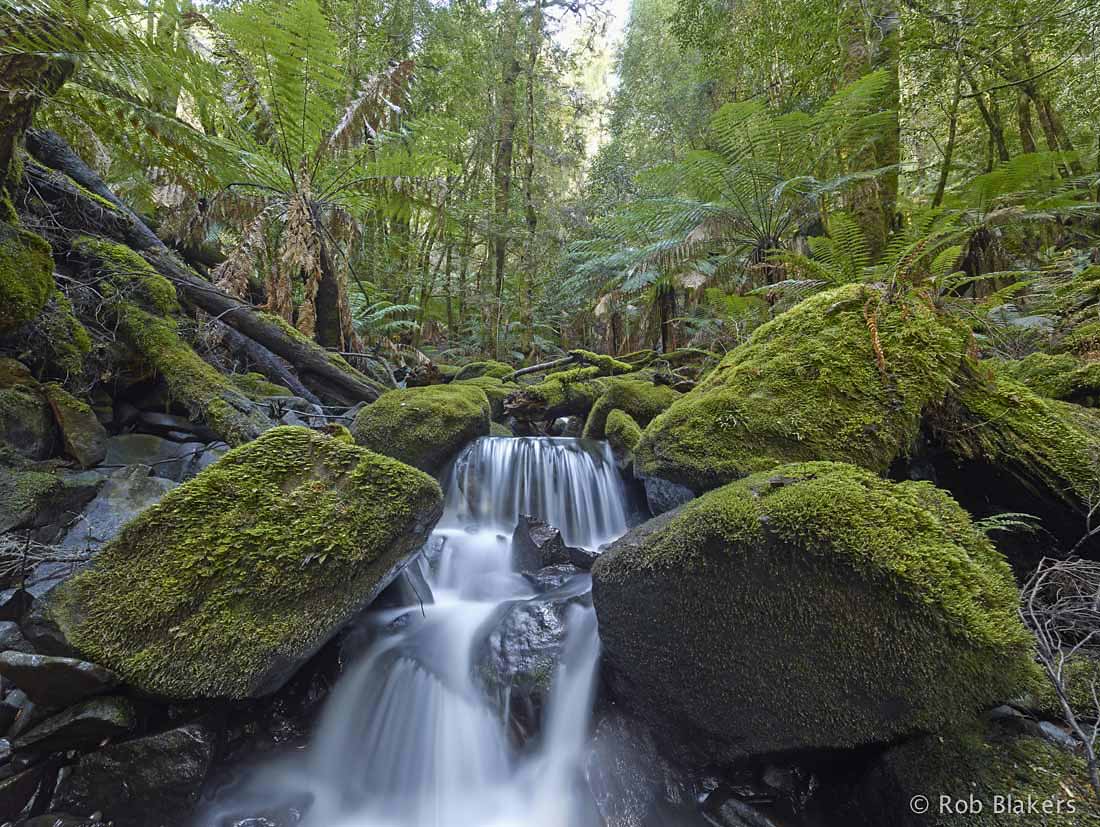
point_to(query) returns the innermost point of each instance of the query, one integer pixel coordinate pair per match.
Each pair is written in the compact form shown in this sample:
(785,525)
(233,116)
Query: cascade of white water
(408,738)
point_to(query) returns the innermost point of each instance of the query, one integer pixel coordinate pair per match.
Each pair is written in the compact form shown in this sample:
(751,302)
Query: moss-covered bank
(844,376)
(237,576)
(1057,376)
(26,276)
(424,427)
(814,606)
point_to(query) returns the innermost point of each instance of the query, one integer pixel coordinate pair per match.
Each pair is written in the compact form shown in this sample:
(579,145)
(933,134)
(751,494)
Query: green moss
(642,400)
(496,429)
(808,385)
(473,370)
(424,427)
(869,609)
(64,338)
(207,393)
(1082,339)
(256,386)
(124,268)
(495,390)
(26,276)
(22,494)
(607,365)
(1050,447)
(236,576)
(984,763)
(570,392)
(1060,376)
(623,432)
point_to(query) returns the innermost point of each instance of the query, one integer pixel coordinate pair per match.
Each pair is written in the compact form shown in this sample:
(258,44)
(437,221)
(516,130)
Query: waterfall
(408,737)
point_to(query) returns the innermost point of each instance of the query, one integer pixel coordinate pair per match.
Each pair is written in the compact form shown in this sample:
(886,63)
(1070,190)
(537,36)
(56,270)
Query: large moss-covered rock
(843,376)
(1011,777)
(642,400)
(26,276)
(424,427)
(1002,447)
(814,606)
(623,433)
(226,585)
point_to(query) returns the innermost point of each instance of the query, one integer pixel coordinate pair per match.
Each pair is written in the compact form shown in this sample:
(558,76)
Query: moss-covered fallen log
(72,203)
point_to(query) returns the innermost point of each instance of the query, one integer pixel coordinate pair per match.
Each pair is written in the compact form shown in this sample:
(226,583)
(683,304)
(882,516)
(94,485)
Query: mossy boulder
(82,436)
(473,370)
(1000,446)
(815,606)
(23,493)
(26,276)
(985,763)
(26,422)
(423,427)
(642,400)
(1056,376)
(232,580)
(622,434)
(844,376)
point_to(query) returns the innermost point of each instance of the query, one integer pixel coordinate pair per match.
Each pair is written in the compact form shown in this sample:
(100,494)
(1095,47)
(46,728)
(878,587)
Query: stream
(409,736)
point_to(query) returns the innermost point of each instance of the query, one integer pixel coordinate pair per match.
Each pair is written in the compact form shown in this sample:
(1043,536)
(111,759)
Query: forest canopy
(442,181)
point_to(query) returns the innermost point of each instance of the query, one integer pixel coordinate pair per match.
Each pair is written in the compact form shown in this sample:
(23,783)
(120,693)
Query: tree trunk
(949,147)
(502,164)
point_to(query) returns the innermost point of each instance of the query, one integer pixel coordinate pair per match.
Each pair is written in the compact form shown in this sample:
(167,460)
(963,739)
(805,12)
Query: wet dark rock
(537,544)
(80,726)
(125,494)
(62,820)
(631,783)
(43,633)
(517,659)
(12,640)
(552,577)
(154,780)
(53,681)
(8,711)
(662,495)
(17,791)
(172,460)
(163,423)
(732,812)
(26,422)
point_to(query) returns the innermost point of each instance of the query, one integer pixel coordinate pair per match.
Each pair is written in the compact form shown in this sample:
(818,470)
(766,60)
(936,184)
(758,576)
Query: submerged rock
(229,583)
(423,427)
(151,780)
(845,375)
(814,607)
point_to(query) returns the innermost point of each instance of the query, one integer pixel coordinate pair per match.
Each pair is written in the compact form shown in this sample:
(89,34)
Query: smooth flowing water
(409,738)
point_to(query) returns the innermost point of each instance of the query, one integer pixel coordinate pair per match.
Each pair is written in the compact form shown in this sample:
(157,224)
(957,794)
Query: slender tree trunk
(1023,118)
(528,294)
(991,115)
(949,147)
(502,164)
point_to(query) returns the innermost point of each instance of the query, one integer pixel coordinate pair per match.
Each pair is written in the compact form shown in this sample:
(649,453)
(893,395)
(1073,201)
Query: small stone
(80,726)
(12,640)
(53,681)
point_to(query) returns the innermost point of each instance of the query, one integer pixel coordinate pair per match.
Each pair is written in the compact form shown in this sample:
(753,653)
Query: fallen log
(72,191)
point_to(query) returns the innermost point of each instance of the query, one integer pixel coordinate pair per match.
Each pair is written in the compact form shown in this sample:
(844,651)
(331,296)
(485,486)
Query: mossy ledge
(426,426)
(237,576)
(844,376)
(641,399)
(816,606)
